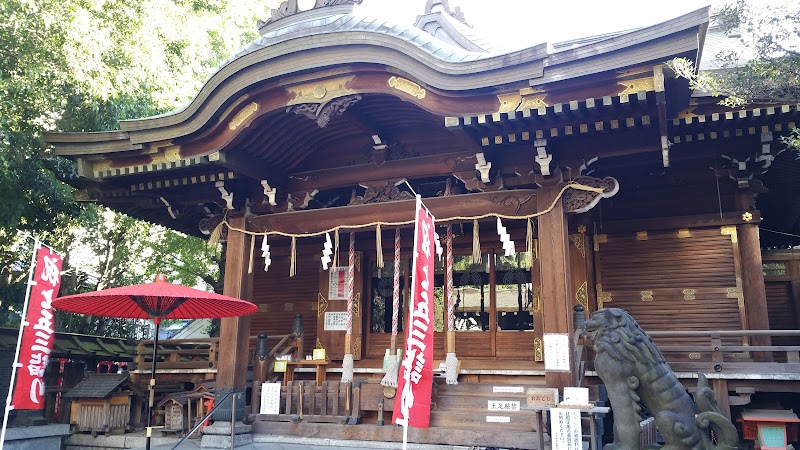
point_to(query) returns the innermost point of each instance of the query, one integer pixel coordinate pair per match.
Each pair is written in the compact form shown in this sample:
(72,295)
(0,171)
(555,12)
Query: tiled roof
(97,385)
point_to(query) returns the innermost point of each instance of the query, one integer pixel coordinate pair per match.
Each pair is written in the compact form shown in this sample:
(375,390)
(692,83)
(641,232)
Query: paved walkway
(296,443)
(136,441)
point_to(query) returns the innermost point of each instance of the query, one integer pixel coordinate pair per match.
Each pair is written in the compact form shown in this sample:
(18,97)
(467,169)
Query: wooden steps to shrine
(467,414)
(483,407)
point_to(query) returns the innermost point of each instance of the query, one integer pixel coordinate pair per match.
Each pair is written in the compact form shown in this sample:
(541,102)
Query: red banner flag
(38,331)
(412,405)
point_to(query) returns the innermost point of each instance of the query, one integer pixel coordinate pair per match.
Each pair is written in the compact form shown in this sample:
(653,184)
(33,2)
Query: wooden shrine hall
(616,183)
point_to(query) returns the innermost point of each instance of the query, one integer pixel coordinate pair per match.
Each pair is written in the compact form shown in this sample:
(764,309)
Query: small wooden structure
(182,410)
(102,403)
(769,428)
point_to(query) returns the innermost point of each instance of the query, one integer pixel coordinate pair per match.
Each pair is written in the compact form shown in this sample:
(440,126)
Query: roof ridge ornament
(291,7)
(455,13)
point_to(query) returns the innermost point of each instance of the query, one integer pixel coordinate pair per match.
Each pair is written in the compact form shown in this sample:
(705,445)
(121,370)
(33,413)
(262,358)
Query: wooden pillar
(555,275)
(753,289)
(794,274)
(235,331)
(720,387)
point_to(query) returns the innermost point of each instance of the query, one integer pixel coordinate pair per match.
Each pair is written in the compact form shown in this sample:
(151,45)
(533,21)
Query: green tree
(83,65)
(765,68)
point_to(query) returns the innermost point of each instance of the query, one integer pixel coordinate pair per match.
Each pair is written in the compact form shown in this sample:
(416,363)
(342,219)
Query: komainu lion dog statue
(636,375)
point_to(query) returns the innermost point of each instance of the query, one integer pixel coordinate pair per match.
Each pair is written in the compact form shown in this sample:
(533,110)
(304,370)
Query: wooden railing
(723,351)
(177,354)
(201,353)
(264,369)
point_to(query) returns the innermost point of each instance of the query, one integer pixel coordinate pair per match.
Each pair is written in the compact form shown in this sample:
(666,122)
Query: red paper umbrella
(158,301)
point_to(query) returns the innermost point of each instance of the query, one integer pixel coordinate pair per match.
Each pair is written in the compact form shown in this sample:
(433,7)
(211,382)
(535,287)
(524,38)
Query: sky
(521,23)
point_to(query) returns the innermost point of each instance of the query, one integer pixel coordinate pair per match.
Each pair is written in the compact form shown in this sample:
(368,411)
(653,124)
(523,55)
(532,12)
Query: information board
(565,424)
(270,398)
(556,352)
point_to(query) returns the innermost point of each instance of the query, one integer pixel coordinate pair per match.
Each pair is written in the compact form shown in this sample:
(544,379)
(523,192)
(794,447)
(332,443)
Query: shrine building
(617,185)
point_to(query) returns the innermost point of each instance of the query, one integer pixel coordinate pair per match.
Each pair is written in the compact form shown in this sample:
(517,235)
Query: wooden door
(332,310)
(686,279)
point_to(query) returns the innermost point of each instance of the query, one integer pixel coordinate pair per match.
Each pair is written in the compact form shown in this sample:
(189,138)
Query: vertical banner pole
(412,400)
(22,324)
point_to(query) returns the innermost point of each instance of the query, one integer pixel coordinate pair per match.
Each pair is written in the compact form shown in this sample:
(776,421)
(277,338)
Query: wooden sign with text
(541,397)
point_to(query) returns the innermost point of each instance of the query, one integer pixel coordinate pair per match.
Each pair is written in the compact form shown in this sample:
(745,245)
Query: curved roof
(340,23)
(334,36)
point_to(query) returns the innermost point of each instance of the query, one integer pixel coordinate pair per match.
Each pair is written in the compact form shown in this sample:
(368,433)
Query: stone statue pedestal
(218,435)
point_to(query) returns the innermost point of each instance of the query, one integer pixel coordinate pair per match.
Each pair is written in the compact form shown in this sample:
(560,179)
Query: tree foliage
(765,68)
(84,65)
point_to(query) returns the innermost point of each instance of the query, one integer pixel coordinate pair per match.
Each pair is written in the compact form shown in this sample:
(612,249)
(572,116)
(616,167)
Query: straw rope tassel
(213,238)
(450,362)
(347,363)
(392,365)
(476,242)
(293,260)
(378,247)
(252,249)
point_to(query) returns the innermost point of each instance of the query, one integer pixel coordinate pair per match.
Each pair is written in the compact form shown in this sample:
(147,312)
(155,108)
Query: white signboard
(336,321)
(508,389)
(337,287)
(498,419)
(270,398)
(565,424)
(503,405)
(556,352)
(578,396)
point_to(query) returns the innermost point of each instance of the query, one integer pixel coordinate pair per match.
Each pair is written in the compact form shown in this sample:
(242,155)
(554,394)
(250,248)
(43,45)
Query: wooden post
(260,364)
(794,274)
(235,331)
(555,273)
(753,289)
(720,387)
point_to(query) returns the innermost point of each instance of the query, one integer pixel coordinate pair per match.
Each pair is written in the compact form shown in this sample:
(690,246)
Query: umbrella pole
(152,389)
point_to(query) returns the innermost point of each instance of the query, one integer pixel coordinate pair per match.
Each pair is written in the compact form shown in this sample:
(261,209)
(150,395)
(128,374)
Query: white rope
(347,368)
(451,369)
(392,369)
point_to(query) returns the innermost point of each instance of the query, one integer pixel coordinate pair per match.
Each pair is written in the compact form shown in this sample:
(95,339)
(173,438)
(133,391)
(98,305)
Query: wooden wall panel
(279,297)
(671,281)
(515,344)
(379,343)
(477,343)
(780,305)
(782,315)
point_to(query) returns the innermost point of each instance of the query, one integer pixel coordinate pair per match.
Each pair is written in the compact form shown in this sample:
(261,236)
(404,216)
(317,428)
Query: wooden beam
(515,202)
(556,277)
(426,166)
(235,331)
(674,223)
(245,164)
